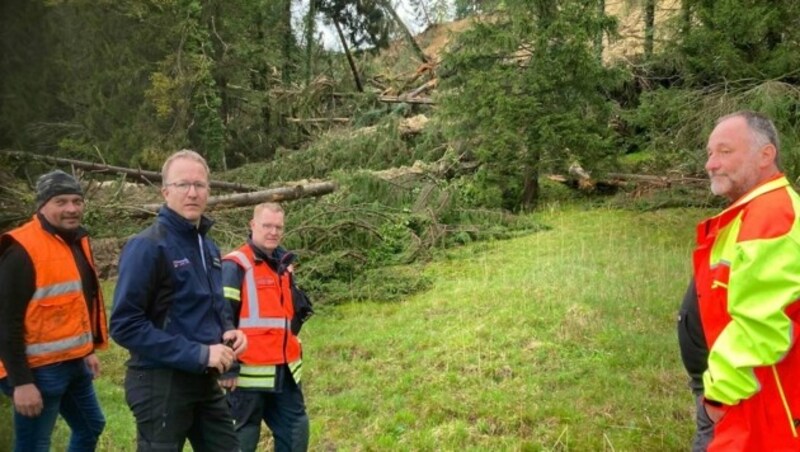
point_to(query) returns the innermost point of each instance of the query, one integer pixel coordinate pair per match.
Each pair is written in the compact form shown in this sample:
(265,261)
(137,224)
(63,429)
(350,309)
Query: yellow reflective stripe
(256,382)
(261,377)
(297,370)
(58,346)
(758,191)
(716,284)
(257,370)
(783,399)
(56,289)
(232,294)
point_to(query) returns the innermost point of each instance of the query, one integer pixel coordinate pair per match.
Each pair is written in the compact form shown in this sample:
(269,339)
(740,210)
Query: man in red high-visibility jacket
(747,276)
(257,280)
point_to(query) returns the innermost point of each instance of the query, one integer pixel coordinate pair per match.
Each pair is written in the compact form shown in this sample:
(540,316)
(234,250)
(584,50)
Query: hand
(28,400)
(239,341)
(229,383)
(220,357)
(93,363)
(714,412)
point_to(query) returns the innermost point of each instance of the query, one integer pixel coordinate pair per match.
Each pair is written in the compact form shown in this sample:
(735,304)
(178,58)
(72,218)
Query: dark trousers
(283,411)
(705,426)
(171,406)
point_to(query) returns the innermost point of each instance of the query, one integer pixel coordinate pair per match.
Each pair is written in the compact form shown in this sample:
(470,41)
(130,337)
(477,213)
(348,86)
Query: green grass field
(560,340)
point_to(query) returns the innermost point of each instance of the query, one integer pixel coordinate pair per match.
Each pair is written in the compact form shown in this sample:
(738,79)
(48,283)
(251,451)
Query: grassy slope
(561,340)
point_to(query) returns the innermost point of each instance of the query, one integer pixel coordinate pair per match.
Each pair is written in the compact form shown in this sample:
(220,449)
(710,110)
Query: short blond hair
(271,206)
(183,154)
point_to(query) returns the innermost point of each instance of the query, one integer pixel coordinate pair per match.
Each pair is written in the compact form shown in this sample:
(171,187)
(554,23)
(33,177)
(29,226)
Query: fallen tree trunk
(580,179)
(406,99)
(137,174)
(666,180)
(248,199)
(317,120)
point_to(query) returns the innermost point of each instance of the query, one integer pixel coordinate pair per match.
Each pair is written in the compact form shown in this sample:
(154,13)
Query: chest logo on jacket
(266,282)
(181,262)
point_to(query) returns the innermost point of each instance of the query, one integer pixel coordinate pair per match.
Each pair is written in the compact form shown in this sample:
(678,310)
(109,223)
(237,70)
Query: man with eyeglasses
(270,309)
(170,313)
(52,319)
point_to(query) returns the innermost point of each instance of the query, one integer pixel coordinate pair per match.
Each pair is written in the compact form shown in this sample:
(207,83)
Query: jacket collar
(278,260)
(773,183)
(174,220)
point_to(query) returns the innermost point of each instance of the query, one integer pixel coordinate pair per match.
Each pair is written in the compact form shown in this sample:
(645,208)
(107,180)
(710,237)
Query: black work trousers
(171,406)
(284,412)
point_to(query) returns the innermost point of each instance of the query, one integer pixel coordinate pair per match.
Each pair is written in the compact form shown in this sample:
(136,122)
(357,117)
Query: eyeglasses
(183,187)
(272,227)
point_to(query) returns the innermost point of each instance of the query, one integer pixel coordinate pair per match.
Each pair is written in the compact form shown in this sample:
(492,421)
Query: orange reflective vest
(265,318)
(58,325)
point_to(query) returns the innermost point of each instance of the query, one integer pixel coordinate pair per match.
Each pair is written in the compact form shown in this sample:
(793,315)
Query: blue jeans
(66,389)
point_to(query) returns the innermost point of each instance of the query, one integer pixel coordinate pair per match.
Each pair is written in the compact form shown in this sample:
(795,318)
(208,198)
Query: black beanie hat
(55,183)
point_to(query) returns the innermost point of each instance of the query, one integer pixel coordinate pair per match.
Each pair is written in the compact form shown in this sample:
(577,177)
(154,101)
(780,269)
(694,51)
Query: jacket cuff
(203,359)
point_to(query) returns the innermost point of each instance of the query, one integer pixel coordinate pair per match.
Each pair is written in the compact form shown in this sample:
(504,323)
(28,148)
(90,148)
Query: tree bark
(649,28)
(310,30)
(248,199)
(347,53)
(686,17)
(287,38)
(137,174)
(598,39)
(403,29)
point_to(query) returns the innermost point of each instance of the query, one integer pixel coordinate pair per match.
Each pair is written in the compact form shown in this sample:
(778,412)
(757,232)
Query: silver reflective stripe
(263,322)
(58,346)
(250,283)
(253,320)
(56,289)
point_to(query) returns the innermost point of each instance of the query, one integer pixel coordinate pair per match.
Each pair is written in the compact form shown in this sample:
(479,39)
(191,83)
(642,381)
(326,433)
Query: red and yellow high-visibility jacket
(58,324)
(747,273)
(265,317)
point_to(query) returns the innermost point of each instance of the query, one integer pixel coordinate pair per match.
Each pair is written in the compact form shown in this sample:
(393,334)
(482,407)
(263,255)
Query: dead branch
(424,87)
(137,174)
